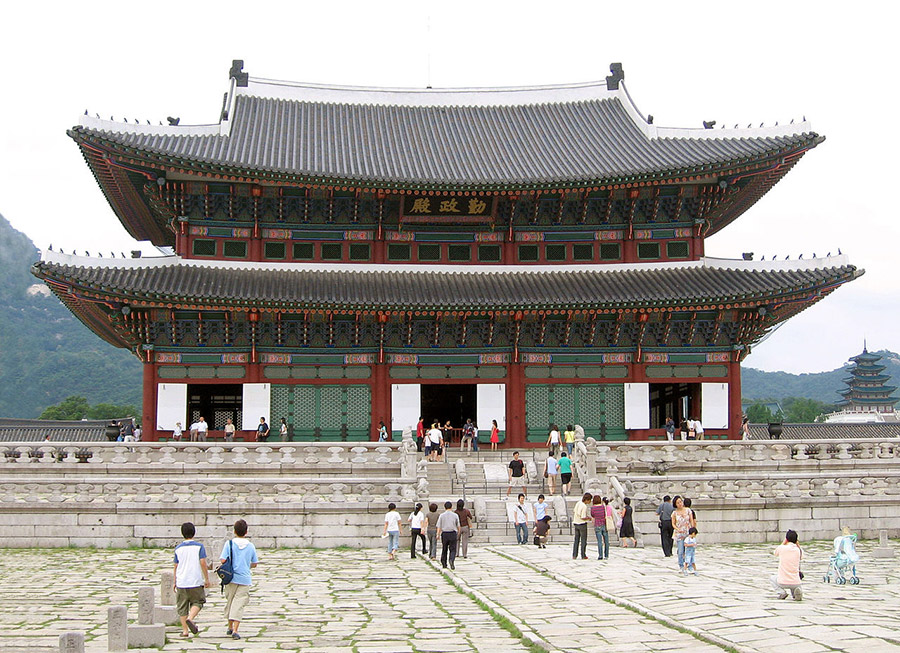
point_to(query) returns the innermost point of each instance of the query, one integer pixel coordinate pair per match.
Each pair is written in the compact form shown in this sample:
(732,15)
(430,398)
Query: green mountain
(46,354)
(823,386)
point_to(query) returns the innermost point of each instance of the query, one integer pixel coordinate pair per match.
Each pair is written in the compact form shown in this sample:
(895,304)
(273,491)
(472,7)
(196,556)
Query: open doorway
(676,400)
(454,402)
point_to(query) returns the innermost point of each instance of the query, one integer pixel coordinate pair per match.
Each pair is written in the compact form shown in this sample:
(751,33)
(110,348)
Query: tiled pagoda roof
(472,138)
(169,280)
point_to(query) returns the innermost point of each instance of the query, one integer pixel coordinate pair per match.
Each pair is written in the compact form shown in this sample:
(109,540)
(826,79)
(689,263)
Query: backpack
(226,570)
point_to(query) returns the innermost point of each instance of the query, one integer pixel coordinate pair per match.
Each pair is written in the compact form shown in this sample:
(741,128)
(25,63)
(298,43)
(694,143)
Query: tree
(72,407)
(759,414)
(804,410)
(113,411)
(77,407)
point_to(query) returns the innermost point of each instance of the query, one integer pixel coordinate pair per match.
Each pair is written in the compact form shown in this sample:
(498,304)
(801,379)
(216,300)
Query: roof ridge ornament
(237,73)
(612,81)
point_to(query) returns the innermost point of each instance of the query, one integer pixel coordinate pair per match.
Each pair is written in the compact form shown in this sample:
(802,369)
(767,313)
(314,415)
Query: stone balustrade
(661,457)
(93,493)
(184,455)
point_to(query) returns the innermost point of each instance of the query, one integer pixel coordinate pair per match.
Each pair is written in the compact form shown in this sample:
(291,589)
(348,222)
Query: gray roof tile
(425,287)
(587,139)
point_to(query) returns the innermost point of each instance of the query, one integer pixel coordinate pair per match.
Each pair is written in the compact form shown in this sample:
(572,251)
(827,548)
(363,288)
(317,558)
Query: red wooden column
(735,412)
(515,406)
(381,399)
(148,403)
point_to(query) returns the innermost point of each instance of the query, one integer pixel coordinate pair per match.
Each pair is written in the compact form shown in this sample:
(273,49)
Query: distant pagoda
(866,391)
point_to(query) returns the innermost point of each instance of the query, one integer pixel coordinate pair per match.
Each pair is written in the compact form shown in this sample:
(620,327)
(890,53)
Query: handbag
(225,572)
(610,522)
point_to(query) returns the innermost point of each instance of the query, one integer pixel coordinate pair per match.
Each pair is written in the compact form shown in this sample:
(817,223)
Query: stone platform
(340,600)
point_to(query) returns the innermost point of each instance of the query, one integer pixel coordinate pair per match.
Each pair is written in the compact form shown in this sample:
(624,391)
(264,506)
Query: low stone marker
(146,634)
(883,550)
(71,643)
(117,621)
(166,613)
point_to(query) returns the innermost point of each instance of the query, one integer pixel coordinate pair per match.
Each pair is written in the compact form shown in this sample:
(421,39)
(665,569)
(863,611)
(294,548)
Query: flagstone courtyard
(501,598)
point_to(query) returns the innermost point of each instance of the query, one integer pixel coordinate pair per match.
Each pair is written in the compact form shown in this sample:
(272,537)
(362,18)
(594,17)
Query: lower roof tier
(100,292)
(167,280)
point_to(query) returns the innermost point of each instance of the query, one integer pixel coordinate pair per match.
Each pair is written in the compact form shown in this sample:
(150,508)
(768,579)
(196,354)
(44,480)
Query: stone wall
(754,491)
(115,495)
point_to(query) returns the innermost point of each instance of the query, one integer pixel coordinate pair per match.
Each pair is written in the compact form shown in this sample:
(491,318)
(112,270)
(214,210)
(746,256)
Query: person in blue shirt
(237,592)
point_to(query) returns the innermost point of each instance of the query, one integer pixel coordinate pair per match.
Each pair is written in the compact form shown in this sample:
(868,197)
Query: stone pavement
(343,600)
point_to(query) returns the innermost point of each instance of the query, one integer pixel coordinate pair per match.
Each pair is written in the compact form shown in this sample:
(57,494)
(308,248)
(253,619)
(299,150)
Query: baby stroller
(843,561)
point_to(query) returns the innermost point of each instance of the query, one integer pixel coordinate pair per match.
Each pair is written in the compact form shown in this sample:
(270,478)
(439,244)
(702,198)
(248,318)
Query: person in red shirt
(420,434)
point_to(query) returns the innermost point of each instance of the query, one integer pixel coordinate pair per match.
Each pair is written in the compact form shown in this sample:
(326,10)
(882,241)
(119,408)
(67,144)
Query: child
(191,577)
(690,547)
(392,528)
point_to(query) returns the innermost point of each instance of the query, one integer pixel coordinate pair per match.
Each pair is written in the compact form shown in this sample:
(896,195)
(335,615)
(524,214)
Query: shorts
(517,481)
(566,477)
(185,597)
(236,598)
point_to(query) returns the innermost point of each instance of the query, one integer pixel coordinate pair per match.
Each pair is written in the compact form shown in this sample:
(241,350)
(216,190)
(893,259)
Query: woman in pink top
(788,577)
(682,521)
(598,512)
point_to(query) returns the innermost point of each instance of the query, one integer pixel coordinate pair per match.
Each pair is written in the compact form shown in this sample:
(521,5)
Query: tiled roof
(442,287)
(827,431)
(36,430)
(549,135)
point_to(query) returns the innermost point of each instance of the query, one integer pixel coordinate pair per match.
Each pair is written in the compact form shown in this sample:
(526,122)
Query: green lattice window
(489,253)
(528,253)
(648,250)
(275,250)
(204,248)
(555,252)
(332,251)
(429,252)
(610,251)
(304,251)
(677,249)
(234,249)
(583,251)
(398,252)
(360,252)
(562,404)
(323,413)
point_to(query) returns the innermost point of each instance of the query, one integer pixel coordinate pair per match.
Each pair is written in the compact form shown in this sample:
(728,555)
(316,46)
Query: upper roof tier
(457,138)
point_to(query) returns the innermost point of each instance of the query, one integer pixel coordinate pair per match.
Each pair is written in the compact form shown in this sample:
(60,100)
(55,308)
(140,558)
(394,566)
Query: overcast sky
(736,63)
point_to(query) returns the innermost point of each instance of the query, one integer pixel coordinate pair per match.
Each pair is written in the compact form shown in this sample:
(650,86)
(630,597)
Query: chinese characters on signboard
(472,208)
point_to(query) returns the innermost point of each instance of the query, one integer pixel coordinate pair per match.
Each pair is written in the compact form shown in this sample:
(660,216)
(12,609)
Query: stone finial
(884,549)
(71,643)
(117,617)
(145,606)
(612,81)
(167,588)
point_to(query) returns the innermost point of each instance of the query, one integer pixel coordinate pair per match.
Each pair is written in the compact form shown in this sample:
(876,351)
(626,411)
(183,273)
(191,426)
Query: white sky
(684,63)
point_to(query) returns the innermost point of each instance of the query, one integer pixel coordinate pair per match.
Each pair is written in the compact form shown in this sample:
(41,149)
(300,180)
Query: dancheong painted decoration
(338,257)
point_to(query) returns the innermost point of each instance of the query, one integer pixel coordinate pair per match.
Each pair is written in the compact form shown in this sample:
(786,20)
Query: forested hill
(46,354)
(823,386)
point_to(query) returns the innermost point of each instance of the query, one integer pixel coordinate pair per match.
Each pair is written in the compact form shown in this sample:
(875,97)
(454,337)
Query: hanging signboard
(443,208)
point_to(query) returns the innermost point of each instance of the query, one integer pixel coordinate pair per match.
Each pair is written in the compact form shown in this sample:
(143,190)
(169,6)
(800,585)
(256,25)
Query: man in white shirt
(698,429)
(177,432)
(202,429)
(436,438)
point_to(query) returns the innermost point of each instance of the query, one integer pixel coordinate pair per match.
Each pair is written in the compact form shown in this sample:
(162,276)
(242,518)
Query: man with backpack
(241,554)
